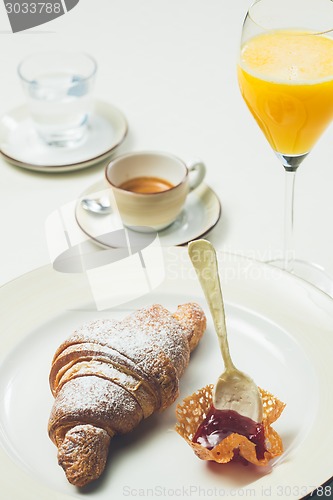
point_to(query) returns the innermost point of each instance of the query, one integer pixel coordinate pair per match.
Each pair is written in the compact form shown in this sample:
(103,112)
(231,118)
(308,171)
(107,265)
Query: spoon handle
(203,257)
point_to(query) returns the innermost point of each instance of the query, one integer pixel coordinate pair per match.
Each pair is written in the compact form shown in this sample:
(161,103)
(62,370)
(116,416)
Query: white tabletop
(170,66)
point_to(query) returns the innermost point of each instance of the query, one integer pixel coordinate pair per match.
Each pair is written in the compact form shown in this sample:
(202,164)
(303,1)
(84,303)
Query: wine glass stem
(289,253)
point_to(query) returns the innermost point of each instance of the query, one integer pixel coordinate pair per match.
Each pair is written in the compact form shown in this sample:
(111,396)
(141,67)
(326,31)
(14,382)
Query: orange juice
(286,79)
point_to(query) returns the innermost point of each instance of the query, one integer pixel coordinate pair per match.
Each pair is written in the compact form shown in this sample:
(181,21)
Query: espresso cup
(150,188)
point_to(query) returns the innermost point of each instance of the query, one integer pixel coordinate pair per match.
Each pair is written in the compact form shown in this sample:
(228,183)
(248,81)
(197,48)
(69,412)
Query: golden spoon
(234,390)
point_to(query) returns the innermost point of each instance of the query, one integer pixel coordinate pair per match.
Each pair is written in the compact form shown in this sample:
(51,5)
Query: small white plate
(200,214)
(21,145)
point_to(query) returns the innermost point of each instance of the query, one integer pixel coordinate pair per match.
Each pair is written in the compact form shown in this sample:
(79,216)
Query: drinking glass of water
(59,88)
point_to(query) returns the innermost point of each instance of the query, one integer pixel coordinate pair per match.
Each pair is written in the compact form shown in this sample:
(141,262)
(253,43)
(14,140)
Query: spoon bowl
(99,206)
(234,390)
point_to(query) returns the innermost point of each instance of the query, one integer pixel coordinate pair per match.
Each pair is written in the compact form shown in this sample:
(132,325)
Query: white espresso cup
(150,188)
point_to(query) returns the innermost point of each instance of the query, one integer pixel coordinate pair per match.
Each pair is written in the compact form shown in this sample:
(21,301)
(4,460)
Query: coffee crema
(146,185)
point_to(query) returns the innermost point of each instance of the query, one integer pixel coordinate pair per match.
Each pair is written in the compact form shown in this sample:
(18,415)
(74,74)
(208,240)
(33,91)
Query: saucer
(200,214)
(20,144)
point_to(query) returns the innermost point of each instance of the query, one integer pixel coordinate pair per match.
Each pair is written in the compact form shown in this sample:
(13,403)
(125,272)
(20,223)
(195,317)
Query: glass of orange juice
(285,74)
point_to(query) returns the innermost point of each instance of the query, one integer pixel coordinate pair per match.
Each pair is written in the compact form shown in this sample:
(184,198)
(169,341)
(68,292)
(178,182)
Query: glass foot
(308,271)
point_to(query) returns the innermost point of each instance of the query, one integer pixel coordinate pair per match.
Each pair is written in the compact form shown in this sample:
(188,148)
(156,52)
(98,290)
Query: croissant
(108,376)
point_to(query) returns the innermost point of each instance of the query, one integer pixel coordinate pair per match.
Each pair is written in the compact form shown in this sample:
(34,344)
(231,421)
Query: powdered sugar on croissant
(108,376)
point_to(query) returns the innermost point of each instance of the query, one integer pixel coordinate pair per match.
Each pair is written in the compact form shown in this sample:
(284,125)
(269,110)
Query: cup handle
(197,172)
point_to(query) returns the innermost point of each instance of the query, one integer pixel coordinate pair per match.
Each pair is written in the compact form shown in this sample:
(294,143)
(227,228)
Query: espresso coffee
(146,185)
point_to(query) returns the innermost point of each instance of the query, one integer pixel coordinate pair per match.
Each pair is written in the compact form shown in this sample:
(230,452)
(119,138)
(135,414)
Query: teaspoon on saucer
(100,206)
(234,390)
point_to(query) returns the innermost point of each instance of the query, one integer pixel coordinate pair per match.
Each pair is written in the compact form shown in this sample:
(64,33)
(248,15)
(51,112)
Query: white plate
(280,332)
(200,214)
(21,145)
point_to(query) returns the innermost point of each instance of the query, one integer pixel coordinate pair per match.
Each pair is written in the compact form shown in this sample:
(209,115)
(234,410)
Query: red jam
(219,424)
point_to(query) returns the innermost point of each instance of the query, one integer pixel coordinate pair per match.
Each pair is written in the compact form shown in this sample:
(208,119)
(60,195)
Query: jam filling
(219,424)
